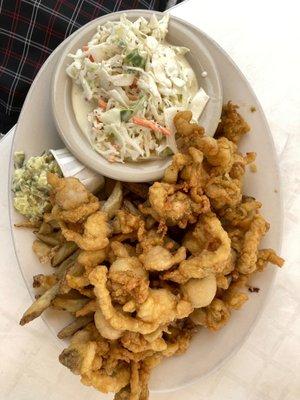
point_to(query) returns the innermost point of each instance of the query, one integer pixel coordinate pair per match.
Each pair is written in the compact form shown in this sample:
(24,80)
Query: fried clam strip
(129,280)
(188,168)
(218,152)
(213,317)
(232,125)
(163,306)
(208,261)
(138,386)
(72,202)
(84,357)
(135,342)
(247,259)
(223,191)
(268,255)
(233,297)
(241,215)
(40,305)
(170,206)
(117,319)
(160,259)
(90,259)
(95,235)
(126,222)
(188,132)
(108,383)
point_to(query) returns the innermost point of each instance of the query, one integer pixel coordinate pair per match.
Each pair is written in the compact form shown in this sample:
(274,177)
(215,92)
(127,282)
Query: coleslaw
(135,82)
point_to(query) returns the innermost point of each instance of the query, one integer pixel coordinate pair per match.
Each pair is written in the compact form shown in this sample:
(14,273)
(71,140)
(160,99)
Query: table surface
(263,39)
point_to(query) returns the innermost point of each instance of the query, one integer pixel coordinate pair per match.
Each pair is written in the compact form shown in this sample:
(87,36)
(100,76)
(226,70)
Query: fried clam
(163,306)
(137,283)
(188,132)
(117,319)
(159,258)
(265,256)
(171,206)
(200,292)
(208,261)
(241,215)
(232,125)
(219,153)
(213,317)
(72,202)
(223,191)
(248,256)
(95,234)
(159,308)
(128,280)
(125,222)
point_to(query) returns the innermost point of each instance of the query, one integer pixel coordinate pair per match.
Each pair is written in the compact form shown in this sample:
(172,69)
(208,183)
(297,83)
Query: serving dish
(208,351)
(200,60)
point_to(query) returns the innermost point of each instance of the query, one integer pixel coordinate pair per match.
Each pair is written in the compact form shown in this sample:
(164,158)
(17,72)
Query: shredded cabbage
(134,72)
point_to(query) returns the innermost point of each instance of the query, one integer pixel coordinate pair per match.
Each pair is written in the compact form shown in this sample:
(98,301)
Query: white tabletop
(263,39)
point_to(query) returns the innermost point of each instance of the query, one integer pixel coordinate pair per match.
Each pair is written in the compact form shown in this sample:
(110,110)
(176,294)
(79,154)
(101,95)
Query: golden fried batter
(155,262)
(72,202)
(95,235)
(232,125)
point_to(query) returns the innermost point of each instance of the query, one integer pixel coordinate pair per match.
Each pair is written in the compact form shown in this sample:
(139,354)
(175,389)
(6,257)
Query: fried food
(200,292)
(40,305)
(72,202)
(95,234)
(232,125)
(160,259)
(145,268)
(248,256)
(208,261)
(74,326)
(171,206)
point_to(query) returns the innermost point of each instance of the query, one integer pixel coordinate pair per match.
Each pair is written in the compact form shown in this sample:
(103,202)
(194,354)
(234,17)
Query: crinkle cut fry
(207,261)
(98,278)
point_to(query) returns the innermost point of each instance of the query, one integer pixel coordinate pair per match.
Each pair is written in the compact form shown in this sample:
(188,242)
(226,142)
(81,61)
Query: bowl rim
(144,171)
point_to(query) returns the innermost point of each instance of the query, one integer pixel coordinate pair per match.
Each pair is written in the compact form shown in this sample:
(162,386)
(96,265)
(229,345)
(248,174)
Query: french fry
(53,239)
(74,269)
(71,305)
(65,250)
(140,189)
(113,203)
(40,305)
(131,208)
(88,308)
(74,326)
(61,269)
(44,282)
(45,228)
(43,251)
(28,224)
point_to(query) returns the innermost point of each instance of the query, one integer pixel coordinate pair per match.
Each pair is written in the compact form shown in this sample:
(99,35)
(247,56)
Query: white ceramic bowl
(208,350)
(65,119)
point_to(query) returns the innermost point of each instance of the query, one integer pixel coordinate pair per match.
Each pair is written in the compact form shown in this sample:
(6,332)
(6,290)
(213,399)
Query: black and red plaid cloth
(31,29)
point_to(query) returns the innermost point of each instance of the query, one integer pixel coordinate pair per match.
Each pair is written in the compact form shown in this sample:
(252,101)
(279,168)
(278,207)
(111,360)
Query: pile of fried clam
(141,269)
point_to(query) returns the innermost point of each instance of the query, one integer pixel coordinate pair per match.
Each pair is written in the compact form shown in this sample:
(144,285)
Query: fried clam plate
(144,267)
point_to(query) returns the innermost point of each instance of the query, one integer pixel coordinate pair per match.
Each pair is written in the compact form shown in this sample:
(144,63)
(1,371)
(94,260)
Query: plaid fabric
(31,29)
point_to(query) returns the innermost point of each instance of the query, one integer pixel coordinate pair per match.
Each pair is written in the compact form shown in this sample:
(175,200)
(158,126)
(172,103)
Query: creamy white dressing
(81,108)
